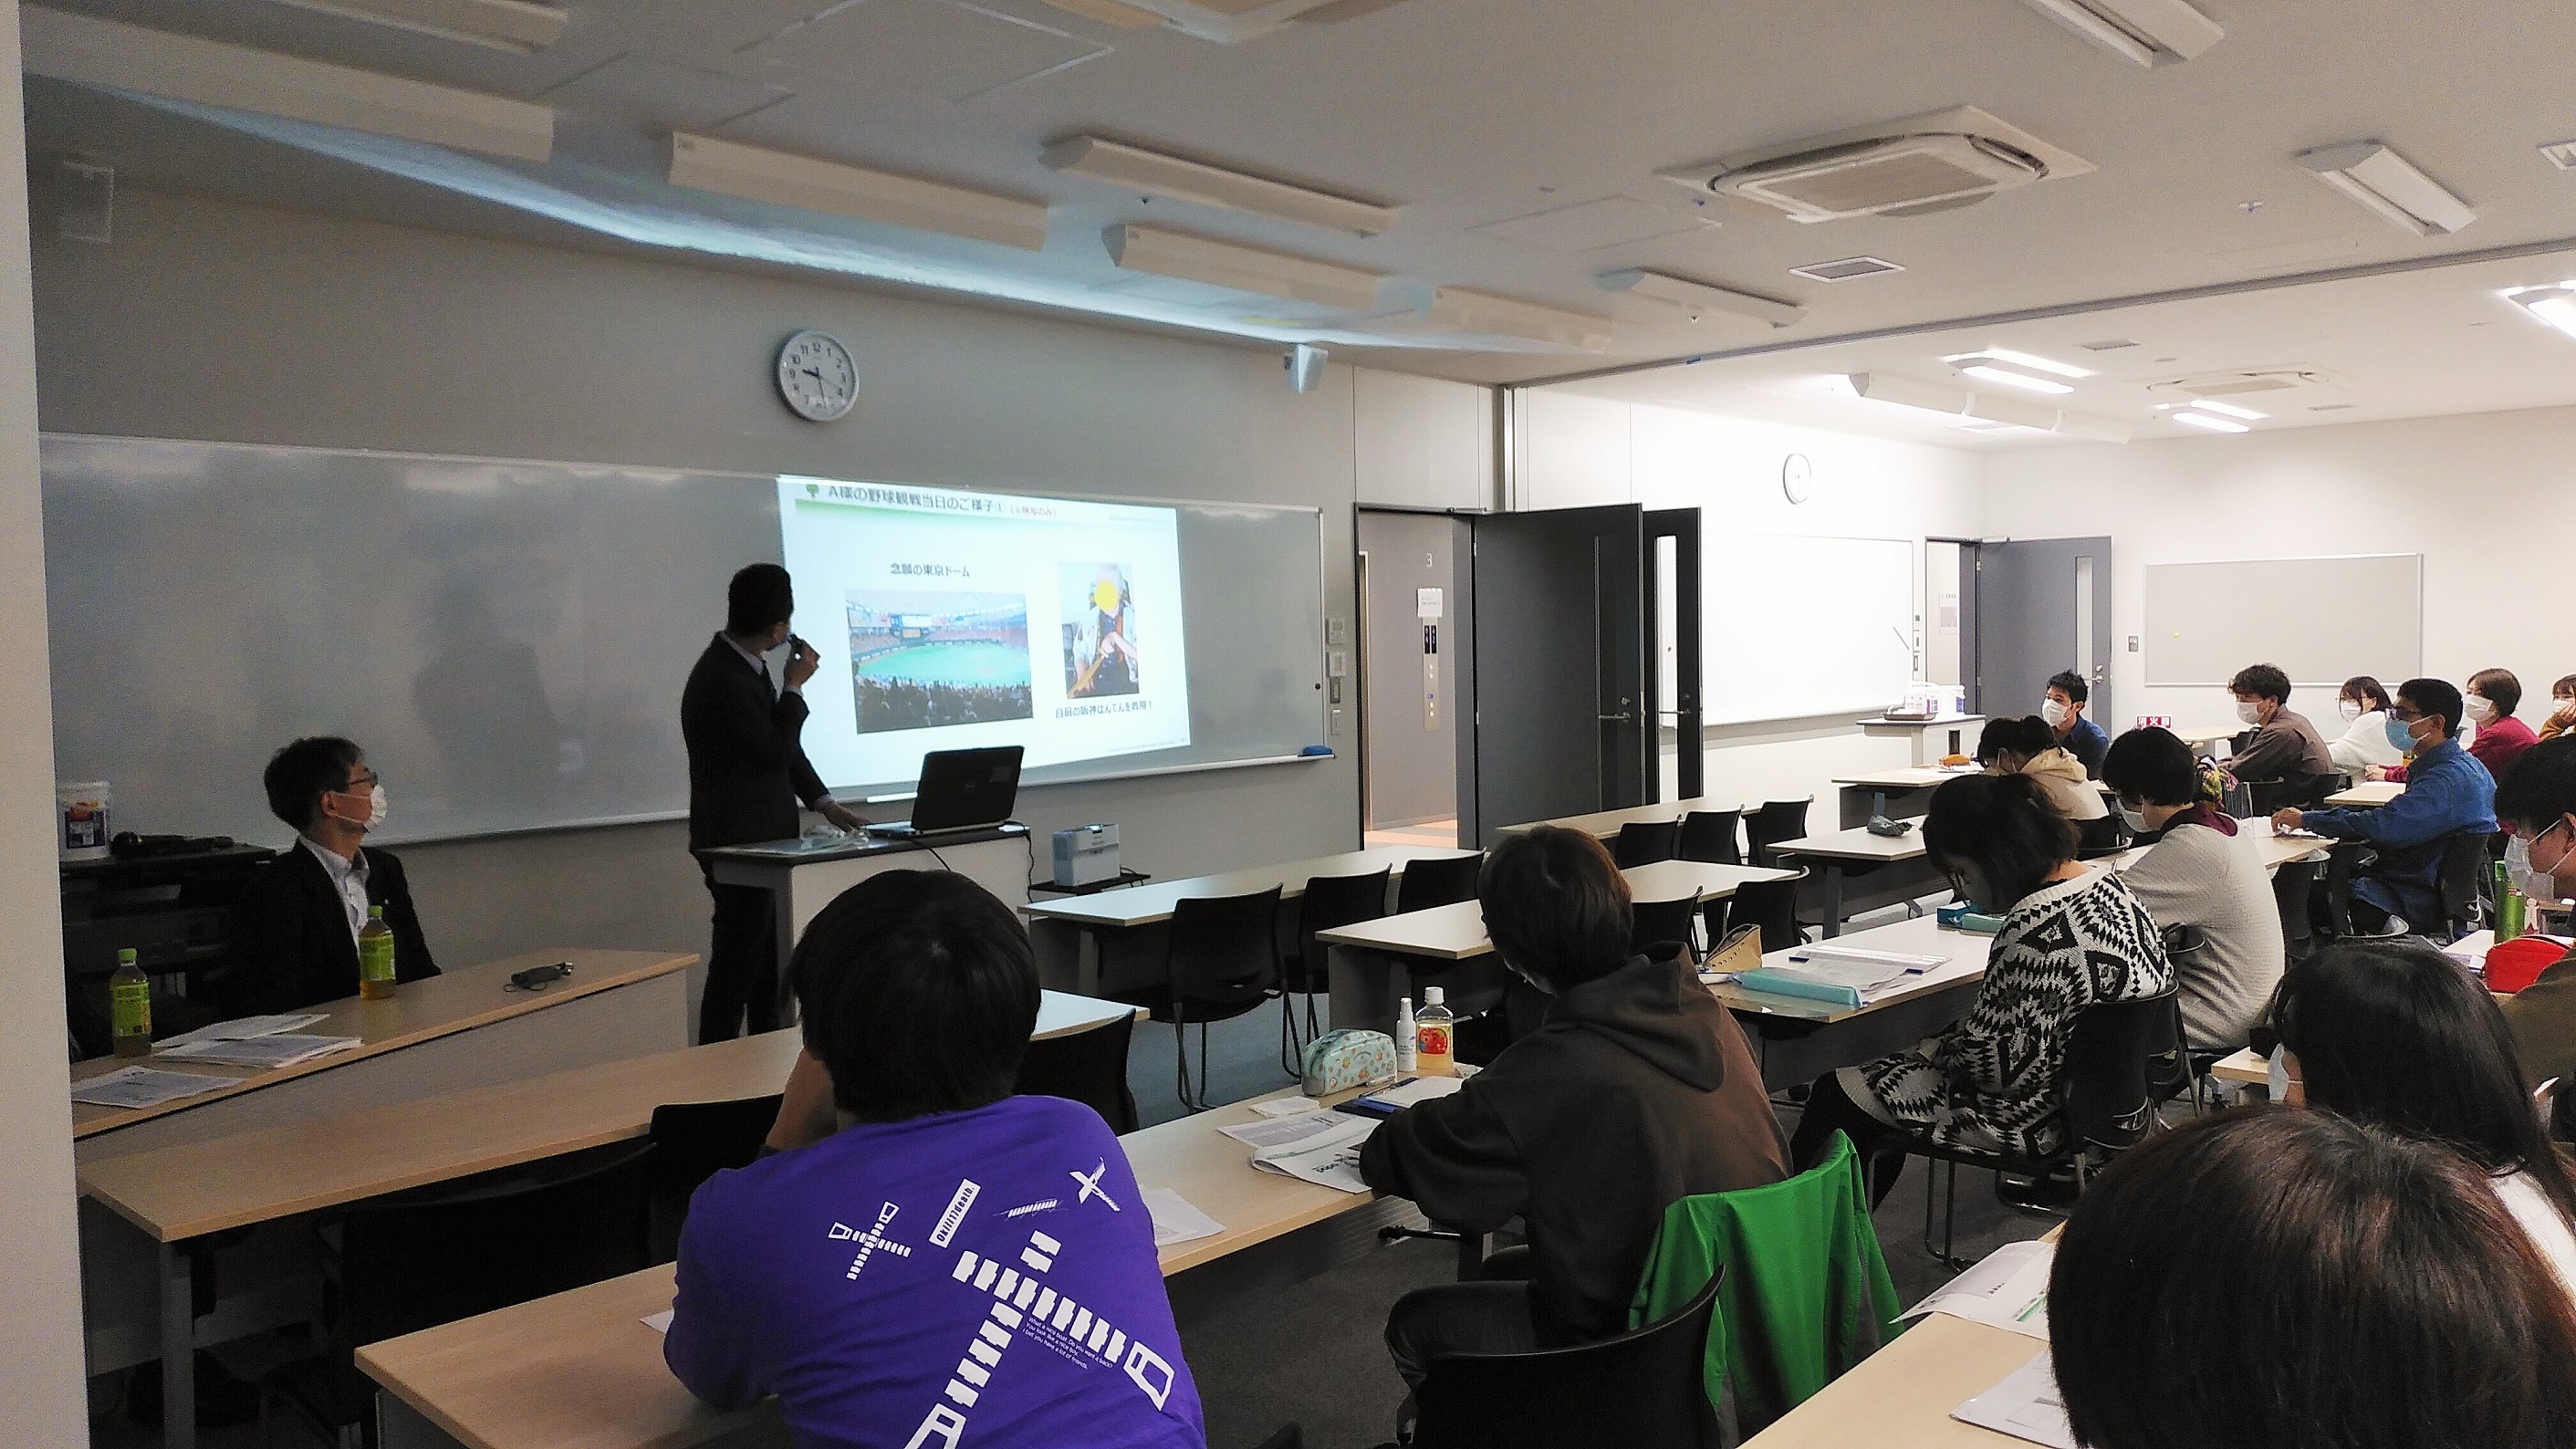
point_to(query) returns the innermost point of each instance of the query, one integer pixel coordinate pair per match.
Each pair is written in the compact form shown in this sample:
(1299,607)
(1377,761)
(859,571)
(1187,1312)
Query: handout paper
(2009,1290)
(1177,1219)
(138,1087)
(2025,1405)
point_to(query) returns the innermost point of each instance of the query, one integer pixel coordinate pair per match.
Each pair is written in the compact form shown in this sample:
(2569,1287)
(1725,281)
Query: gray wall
(211,320)
(1412,769)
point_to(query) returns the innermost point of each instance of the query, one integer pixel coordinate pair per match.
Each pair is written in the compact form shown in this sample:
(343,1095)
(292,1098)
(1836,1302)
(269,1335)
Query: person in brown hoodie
(1637,1090)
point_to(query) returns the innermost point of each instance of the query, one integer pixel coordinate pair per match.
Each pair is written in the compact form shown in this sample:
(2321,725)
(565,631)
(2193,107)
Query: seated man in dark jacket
(296,945)
(1637,1090)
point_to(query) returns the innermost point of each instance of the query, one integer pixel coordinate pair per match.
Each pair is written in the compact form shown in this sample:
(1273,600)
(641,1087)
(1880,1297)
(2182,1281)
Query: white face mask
(2055,713)
(2350,709)
(2248,712)
(2280,1074)
(2481,708)
(2136,820)
(376,809)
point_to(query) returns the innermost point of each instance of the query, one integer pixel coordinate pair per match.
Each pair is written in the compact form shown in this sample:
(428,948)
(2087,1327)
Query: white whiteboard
(2322,620)
(506,639)
(1798,626)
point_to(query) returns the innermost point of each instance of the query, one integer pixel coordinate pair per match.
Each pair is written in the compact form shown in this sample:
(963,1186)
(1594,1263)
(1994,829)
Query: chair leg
(1181,1064)
(1203,1067)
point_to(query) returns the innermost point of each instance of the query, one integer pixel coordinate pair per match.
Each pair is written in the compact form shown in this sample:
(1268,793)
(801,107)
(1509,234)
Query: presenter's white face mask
(2055,713)
(375,798)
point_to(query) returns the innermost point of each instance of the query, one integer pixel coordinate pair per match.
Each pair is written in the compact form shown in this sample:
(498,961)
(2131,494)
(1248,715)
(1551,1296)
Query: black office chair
(1441,880)
(1776,821)
(693,1141)
(1644,1387)
(1771,905)
(1329,901)
(1644,842)
(2460,882)
(2287,792)
(2116,1055)
(2103,836)
(1713,837)
(1088,1066)
(1220,961)
(417,1259)
(2186,1071)
(1667,923)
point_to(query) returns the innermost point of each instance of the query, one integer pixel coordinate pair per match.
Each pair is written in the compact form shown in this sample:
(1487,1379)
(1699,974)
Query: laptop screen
(962,789)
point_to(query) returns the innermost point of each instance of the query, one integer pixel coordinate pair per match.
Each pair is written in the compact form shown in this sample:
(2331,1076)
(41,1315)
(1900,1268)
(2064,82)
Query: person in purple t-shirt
(926,1260)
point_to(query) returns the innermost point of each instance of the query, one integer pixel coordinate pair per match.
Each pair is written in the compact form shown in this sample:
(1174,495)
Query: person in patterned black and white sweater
(2072,937)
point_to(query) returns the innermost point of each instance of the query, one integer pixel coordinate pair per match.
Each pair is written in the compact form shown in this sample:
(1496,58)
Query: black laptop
(960,790)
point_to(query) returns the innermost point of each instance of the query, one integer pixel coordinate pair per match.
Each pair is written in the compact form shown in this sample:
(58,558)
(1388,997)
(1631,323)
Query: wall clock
(1797,478)
(816,377)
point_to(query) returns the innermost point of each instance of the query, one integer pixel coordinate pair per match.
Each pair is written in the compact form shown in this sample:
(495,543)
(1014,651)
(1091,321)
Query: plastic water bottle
(1404,1037)
(376,957)
(1434,1037)
(129,1006)
(2509,906)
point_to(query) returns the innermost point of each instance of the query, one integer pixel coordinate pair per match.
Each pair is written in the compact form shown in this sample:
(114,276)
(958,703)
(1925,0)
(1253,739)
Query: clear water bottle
(1404,1037)
(1435,1036)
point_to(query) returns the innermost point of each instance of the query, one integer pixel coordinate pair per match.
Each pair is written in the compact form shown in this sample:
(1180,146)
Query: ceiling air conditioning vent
(1845,270)
(1903,168)
(2239,384)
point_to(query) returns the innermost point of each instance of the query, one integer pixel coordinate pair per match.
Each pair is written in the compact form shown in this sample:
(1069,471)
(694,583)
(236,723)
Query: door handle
(1623,717)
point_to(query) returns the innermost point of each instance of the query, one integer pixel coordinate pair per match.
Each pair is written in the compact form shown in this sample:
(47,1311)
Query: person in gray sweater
(2200,873)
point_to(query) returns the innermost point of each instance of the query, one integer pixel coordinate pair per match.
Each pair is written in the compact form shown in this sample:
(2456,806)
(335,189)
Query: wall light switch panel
(2133,643)
(1337,631)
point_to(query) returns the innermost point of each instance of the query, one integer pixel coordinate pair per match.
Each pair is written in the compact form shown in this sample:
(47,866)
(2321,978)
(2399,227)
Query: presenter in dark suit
(747,771)
(299,920)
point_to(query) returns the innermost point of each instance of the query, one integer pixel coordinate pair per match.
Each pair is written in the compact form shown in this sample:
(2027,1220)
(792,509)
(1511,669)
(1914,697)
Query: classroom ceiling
(1519,142)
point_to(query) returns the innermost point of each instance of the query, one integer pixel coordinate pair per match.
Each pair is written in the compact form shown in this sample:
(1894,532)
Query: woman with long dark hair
(2401,1037)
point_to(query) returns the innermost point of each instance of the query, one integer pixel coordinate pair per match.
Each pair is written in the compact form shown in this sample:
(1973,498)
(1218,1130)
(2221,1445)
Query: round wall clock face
(816,376)
(1797,478)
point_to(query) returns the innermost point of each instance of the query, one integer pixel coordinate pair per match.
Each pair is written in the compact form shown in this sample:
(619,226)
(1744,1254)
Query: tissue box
(1086,855)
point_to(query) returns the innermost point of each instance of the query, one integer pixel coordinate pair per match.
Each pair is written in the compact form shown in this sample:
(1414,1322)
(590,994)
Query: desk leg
(178,1349)
(782,922)
(1833,899)
(1877,804)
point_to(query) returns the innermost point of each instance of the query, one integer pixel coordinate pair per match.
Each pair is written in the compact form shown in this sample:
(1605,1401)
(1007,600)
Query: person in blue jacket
(2447,793)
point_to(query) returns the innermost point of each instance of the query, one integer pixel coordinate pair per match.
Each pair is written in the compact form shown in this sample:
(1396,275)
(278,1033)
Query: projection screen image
(949,619)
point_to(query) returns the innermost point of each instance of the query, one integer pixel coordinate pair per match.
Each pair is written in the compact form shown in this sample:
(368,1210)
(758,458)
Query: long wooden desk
(1841,850)
(1908,791)
(580,1370)
(1365,958)
(1605,824)
(1797,1039)
(2273,849)
(177,1194)
(1902,1395)
(2369,795)
(1075,936)
(1931,740)
(457,1029)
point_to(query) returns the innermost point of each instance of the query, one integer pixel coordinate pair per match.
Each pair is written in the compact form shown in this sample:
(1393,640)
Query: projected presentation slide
(948,620)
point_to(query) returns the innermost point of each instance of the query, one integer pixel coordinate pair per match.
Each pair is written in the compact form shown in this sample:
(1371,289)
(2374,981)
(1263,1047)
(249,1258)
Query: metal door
(1561,724)
(2042,605)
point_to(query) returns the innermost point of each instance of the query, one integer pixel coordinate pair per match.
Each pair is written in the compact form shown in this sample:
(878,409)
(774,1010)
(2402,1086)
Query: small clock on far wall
(1797,478)
(816,376)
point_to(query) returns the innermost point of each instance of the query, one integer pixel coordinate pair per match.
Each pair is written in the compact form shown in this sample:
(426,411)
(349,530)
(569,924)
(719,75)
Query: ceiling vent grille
(1227,22)
(1845,270)
(2108,344)
(2244,384)
(1903,168)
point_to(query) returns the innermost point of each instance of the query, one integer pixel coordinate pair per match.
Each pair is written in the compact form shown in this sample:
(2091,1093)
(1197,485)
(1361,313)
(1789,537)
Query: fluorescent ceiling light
(2141,32)
(2014,379)
(2555,305)
(2229,409)
(2021,359)
(1698,298)
(1466,311)
(2215,425)
(1245,269)
(94,52)
(513,25)
(1156,174)
(2389,186)
(726,168)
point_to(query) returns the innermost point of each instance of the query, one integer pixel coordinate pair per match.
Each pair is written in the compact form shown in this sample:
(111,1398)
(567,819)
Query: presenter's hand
(805,1111)
(843,816)
(802,661)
